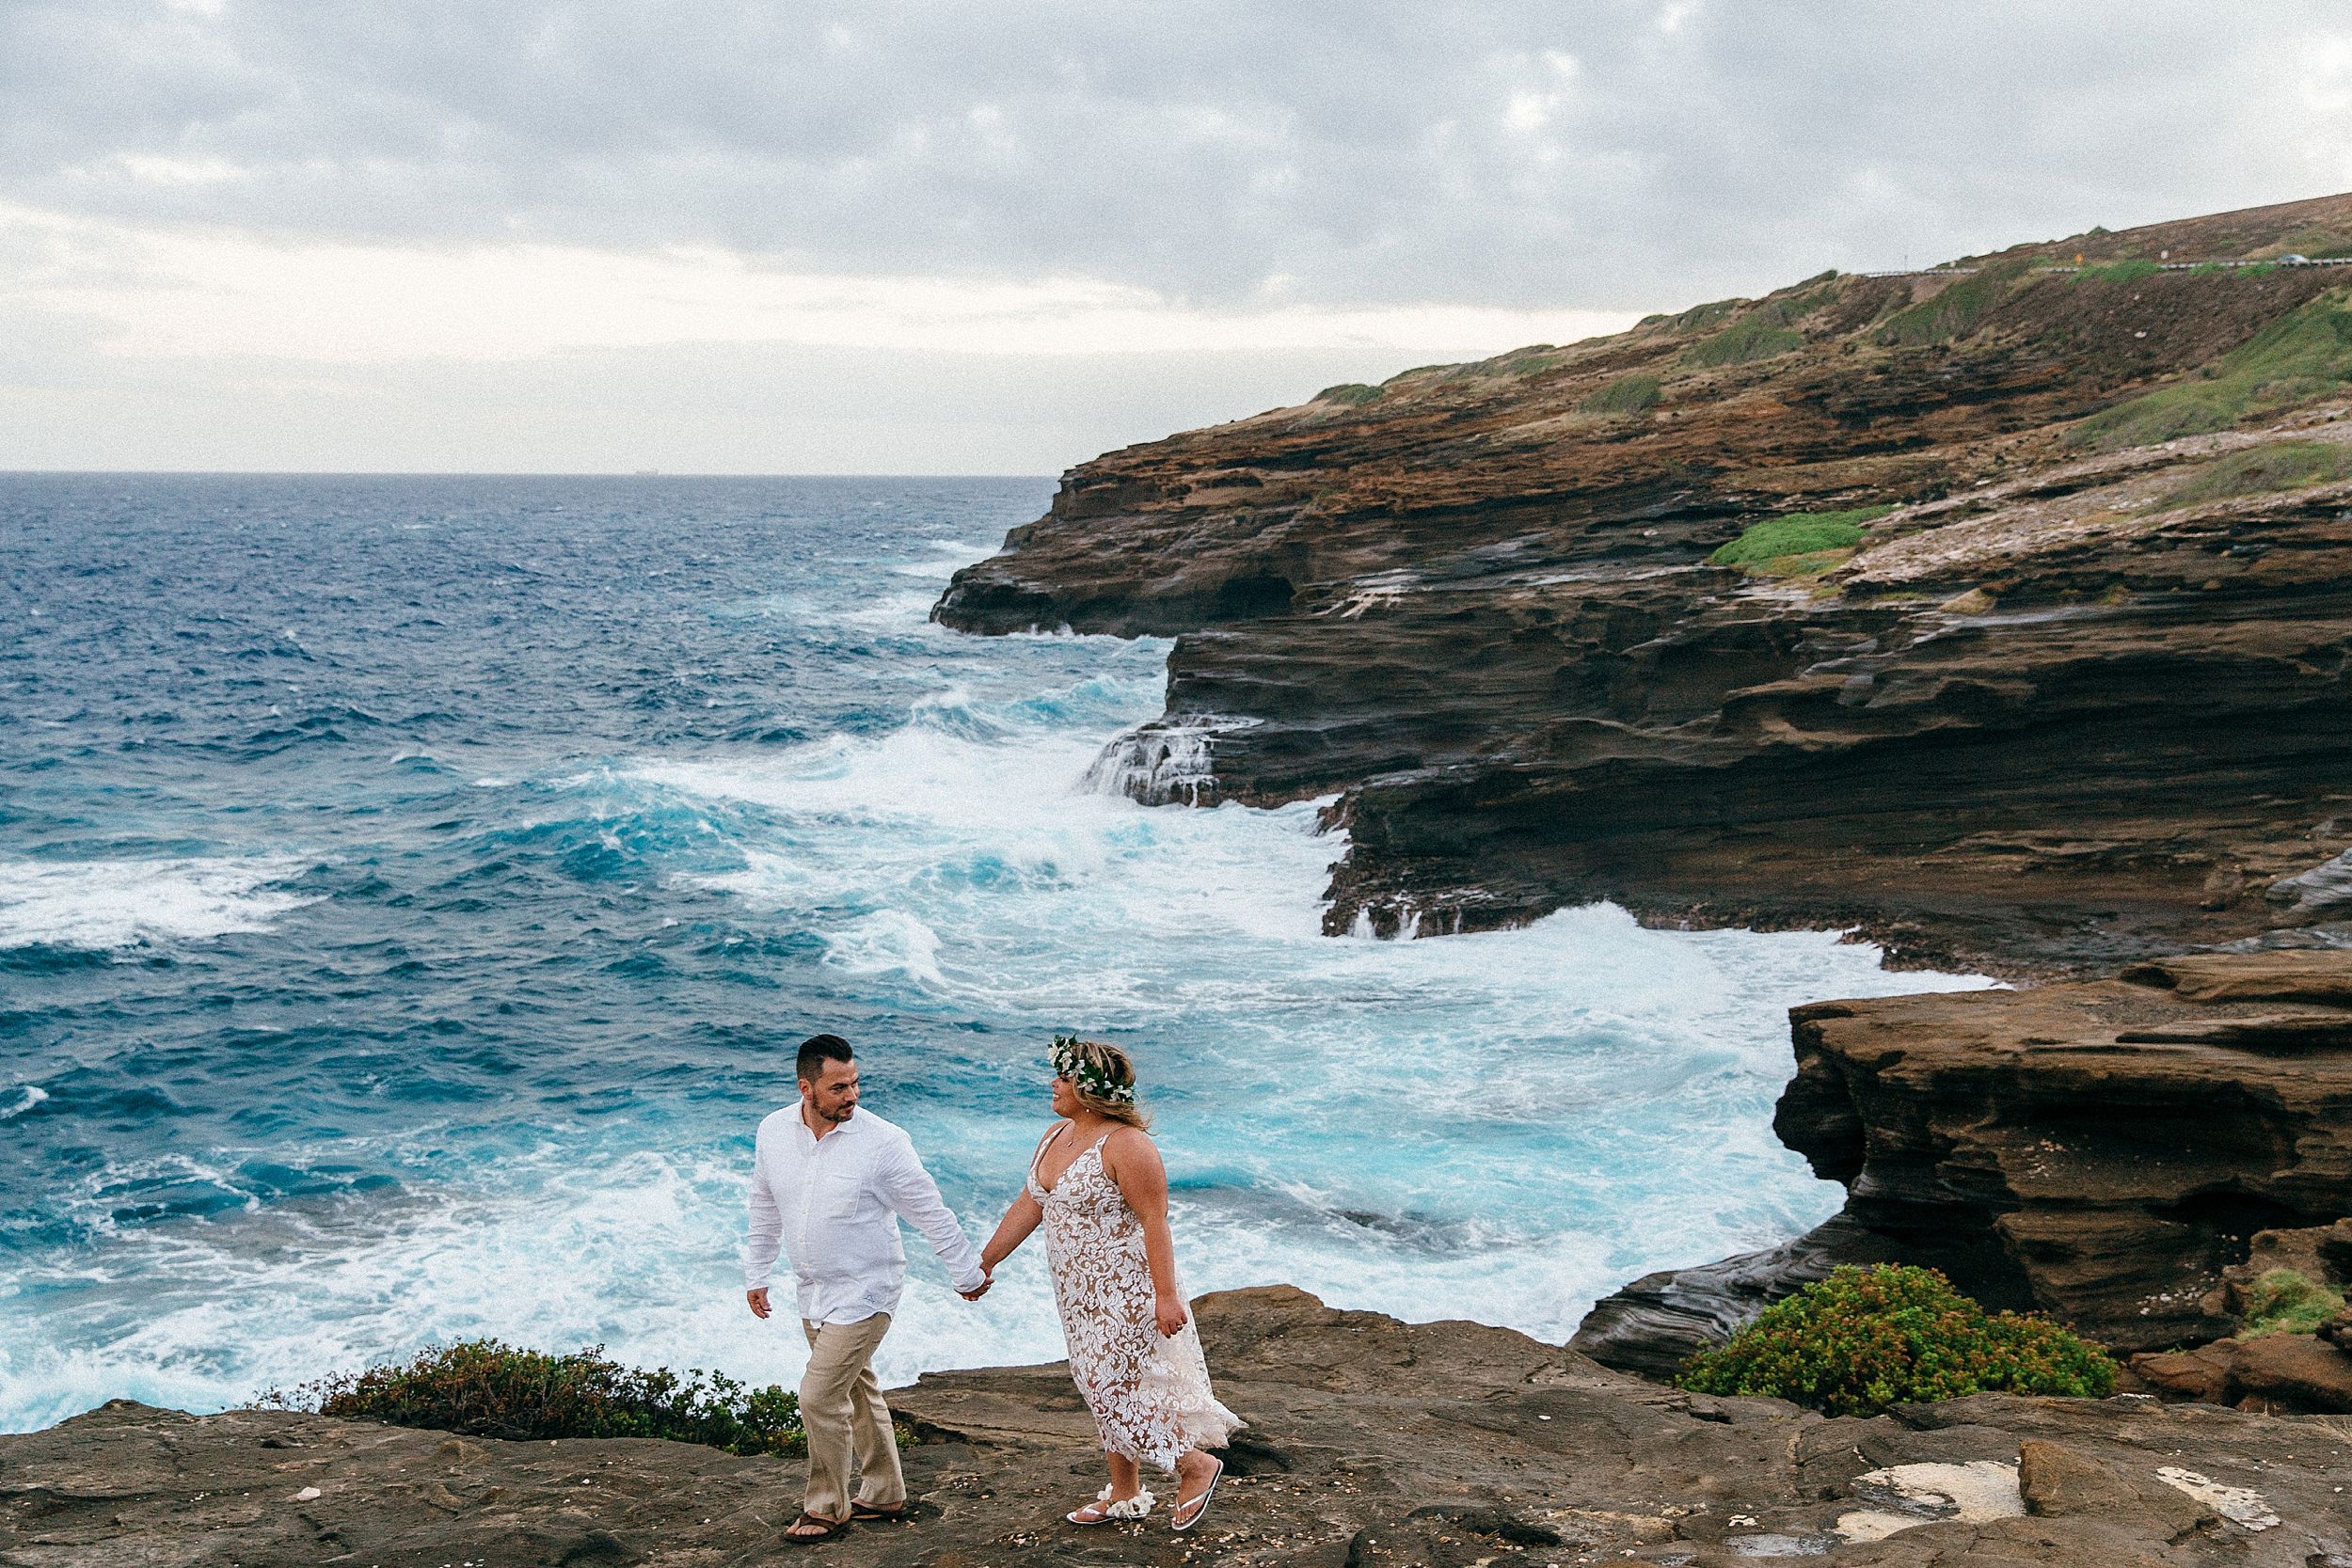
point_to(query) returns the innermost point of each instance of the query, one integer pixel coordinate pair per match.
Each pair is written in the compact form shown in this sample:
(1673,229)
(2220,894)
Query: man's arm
(766,1236)
(910,1191)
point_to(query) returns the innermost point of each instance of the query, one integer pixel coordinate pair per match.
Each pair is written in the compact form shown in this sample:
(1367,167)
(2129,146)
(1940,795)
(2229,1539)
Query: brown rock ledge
(1372,1443)
(2068,703)
(2101,1151)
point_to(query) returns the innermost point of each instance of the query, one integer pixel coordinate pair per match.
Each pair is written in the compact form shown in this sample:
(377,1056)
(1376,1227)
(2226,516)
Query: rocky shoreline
(2062,691)
(1372,1443)
(2115,1152)
(2050,676)
(2074,696)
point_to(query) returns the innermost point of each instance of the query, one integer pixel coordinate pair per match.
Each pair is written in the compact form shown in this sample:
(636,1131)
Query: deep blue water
(411,890)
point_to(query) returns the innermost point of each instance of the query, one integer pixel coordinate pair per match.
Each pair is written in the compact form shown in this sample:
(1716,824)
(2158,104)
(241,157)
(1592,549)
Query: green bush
(2317,243)
(1802,533)
(2284,1302)
(1628,394)
(2117,272)
(488,1388)
(1351,394)
(1867,1339)
(2304,354)
(2281,466)
(1700,318)
(1954,312)
(1749,338)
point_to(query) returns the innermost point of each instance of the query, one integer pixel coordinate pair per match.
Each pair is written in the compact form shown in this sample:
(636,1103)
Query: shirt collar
(799,1120)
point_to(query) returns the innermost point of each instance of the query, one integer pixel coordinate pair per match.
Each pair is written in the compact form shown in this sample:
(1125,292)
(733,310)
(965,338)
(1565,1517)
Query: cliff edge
(2001,611)
(1372,1443)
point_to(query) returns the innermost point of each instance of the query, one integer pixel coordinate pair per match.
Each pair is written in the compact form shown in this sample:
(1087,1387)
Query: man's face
(832,1093)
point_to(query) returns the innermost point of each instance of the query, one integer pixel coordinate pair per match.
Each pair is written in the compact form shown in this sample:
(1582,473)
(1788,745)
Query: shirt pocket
(840,1198)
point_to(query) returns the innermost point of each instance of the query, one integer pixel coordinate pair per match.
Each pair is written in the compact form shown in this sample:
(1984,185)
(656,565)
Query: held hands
(1170,1316)
(988,1278)
(759,1301)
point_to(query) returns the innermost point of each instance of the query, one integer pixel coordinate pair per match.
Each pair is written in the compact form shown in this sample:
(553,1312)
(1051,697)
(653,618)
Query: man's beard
(836,1118)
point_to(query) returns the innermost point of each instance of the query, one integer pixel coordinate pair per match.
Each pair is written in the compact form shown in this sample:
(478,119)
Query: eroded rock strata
(2112,1152)
(1372,1443)
(2080,695)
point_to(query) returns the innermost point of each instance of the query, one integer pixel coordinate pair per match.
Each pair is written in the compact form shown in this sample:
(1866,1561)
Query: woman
(1097,1185)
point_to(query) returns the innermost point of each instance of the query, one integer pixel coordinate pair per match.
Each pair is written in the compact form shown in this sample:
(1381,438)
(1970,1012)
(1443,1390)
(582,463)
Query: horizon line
(497,473)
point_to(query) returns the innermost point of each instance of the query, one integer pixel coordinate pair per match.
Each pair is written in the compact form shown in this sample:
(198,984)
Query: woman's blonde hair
(1092,1065)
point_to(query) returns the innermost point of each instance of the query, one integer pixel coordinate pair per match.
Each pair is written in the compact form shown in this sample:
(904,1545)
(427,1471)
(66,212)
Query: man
(831,1183)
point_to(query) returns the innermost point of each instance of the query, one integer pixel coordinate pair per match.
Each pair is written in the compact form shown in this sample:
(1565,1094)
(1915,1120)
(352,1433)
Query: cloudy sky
(985,236)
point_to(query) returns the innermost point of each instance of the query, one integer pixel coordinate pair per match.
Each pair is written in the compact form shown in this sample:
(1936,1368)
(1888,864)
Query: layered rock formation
(2079,695)
(2108,1151)
(1372,1443)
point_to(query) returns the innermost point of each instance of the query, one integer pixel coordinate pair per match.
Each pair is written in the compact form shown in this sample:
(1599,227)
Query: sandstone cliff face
(2104,1152)
(1372,1443)
(2081,694)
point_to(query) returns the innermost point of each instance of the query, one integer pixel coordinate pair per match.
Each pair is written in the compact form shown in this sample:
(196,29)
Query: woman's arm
(1020,1220)
(1133,1160)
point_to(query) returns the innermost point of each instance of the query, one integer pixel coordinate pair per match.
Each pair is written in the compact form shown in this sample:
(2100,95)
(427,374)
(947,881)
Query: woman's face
(1065,1098)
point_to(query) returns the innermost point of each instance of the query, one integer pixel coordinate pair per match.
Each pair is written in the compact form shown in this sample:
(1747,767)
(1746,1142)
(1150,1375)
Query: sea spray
(475,1046)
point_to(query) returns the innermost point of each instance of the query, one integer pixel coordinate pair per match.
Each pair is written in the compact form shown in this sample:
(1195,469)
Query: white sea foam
(1500,1126)
(1559,1108)
(121,903)
(33,1094)
(1563,1106)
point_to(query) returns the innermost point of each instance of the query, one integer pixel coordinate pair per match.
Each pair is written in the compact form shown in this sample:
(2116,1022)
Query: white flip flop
(1199,1505)
(1112,1512)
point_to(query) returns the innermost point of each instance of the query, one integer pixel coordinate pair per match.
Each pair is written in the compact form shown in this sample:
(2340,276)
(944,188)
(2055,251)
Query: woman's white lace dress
(1149,1391)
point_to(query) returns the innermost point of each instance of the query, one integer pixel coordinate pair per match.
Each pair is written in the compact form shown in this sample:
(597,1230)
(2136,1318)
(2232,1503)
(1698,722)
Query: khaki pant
(843,1412)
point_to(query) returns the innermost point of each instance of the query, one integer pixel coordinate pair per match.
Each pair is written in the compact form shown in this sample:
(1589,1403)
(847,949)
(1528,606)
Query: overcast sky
(717,236)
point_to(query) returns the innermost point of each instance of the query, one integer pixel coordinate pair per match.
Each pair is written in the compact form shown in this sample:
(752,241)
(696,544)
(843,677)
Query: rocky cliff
(1372,1443)
(2078,693)
(2108,1151)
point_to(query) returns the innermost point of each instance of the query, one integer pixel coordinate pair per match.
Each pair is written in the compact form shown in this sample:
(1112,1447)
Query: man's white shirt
(833,1205)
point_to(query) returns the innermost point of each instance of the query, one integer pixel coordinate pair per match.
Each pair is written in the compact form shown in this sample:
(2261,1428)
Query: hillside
(2001,611)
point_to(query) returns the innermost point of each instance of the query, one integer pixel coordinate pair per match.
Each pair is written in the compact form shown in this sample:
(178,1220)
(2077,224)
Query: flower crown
(1091,1081)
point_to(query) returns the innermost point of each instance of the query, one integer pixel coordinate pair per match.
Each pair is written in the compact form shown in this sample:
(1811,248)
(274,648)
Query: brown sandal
(833,1527)
(859,1511)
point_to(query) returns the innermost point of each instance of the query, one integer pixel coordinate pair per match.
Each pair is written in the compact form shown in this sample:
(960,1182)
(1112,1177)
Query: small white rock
(308,1494)
(2240,1505)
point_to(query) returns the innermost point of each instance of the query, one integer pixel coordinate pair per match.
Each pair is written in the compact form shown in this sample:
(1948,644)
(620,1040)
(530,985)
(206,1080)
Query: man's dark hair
(817,1050)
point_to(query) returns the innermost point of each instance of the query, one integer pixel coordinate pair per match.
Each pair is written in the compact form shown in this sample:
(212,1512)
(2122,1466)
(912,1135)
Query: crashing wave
(1164,762)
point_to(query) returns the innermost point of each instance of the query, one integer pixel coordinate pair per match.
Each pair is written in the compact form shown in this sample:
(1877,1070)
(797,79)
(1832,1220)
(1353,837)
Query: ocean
(412,891)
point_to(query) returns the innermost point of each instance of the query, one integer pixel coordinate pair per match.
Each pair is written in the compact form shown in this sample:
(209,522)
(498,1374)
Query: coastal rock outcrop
(2064,678)
(1372,1442)
(2110,1151)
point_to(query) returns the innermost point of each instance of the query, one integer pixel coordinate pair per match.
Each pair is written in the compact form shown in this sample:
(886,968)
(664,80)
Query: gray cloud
(1606,154)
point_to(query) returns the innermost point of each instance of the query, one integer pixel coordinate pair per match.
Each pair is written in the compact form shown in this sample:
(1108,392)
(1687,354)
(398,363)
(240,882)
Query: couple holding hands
(829,1184)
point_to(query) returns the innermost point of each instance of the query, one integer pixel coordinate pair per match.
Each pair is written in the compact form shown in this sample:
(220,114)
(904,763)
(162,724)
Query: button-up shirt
(834,1204)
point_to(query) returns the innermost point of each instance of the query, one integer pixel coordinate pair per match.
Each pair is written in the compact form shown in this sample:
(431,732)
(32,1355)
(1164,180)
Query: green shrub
(2117,272)
(1955,312)
(486,1389)
(1628,394)
(1787,310)
(2281,466)
(1867,1339)
(1752,337)
(2317,243)
(1535,360)
(1351,394)
(1700,318)
(2304,354)
(1802,533)
(2284,1302)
